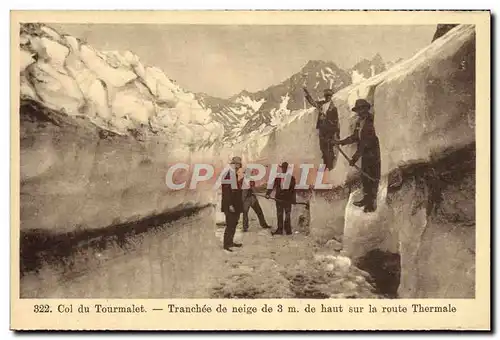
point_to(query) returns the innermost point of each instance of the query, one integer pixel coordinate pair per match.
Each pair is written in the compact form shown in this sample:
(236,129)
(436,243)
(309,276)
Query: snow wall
(424,111)
(98,133)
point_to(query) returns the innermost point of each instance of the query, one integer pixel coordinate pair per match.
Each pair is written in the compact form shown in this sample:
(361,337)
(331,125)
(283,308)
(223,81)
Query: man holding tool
(369,151)
(284,197)
(251,201)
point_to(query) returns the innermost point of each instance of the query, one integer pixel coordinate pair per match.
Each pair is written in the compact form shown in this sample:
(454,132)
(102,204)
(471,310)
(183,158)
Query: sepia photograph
(239,161)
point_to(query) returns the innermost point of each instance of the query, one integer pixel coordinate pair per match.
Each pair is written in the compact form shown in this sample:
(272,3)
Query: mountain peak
(378,58)
(367,68)
(244,93)
(314,64)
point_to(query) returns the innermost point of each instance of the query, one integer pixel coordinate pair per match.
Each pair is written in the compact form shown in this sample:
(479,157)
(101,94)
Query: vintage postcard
(250,170)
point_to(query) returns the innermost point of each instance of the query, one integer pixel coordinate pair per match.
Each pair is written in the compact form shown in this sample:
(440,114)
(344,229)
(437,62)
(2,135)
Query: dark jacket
(364,134)
(329,123)
(231,196)
(285,194)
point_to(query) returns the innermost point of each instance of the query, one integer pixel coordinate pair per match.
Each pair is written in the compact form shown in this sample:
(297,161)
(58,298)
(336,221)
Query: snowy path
(282,266)
(163,263)
(287,267)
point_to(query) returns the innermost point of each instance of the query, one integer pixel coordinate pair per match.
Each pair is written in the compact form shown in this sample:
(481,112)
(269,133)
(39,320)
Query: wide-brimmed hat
(360,103)
(236,160)
(328,92)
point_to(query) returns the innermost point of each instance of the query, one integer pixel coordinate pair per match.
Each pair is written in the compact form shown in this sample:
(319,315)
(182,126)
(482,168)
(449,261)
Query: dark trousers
(252,202)
(326,147)
(284,209)
(231,223)
(370,164)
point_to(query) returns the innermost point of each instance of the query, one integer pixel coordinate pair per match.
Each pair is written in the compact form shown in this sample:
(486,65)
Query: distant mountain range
(250,111)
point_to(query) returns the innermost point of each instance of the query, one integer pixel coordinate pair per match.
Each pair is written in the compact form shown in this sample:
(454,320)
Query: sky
(223,60)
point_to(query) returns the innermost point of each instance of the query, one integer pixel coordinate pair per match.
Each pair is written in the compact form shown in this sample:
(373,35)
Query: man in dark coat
(327,125)
(285,197)
(251,201)
(369,151)
(232,203)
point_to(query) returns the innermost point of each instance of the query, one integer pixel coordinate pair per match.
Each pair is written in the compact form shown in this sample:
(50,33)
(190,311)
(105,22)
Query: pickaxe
(357,167)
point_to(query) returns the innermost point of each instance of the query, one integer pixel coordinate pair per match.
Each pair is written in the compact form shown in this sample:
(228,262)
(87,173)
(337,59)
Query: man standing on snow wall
(327,125)
(369,151)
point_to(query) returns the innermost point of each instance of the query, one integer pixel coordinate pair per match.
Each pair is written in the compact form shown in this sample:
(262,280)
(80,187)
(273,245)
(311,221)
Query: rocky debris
(304,221)
(266,268)
(259,280)
(334,245)
(307,280)
(329,276)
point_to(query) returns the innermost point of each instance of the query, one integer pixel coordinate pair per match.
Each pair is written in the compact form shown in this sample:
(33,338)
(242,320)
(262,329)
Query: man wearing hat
(327,125)
(232,203)
(285,197)
(369,151)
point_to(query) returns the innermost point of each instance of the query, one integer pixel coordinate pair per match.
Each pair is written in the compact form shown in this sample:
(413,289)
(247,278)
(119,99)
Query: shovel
(278,200)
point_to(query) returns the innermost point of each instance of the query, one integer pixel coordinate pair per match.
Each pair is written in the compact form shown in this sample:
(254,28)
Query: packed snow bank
(328,213)
(364,232)
(427,216)
(113,89)
(176,261)
(74,175)
(432,106)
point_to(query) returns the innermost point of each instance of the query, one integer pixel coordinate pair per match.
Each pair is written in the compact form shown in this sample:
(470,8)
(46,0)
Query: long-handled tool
(278,200)
(357,167)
